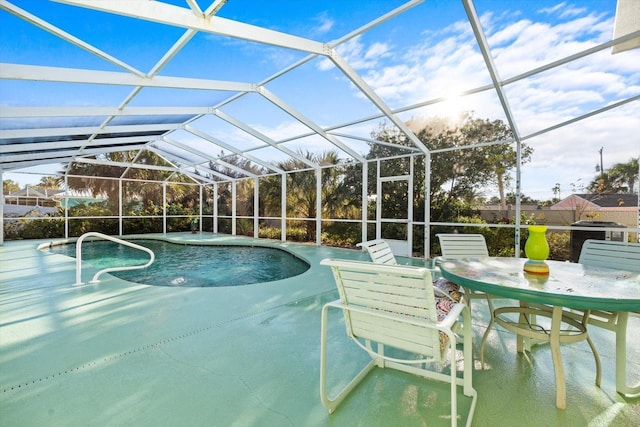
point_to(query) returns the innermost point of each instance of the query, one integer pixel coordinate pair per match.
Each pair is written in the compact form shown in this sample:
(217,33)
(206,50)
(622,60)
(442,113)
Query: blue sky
(425,53)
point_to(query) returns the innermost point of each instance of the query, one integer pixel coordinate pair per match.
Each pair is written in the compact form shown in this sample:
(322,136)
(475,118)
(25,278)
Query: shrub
(269,233)
(559,249)
(341,234)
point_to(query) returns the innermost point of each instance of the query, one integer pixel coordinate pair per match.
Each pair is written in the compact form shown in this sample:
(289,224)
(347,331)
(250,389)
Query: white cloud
(567,10)
(377,51)
(508,34)
(448,61)
(325,23)
(361,57)
(575,11)
(283,130)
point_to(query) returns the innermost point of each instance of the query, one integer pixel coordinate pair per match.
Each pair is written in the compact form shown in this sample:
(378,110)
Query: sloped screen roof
(194,81)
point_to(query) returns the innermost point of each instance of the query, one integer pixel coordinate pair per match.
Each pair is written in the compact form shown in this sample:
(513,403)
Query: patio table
(568,285)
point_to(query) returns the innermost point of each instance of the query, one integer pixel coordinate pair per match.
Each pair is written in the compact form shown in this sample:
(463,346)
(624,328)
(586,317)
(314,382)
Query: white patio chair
(381,253)
(454,246)
(624,256)
(395,306)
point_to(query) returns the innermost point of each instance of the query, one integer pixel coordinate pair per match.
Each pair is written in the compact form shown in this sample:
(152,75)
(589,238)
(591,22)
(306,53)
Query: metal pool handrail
(107,270)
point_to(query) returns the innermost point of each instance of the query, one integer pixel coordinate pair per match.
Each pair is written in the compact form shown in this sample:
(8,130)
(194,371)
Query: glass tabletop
(567,284)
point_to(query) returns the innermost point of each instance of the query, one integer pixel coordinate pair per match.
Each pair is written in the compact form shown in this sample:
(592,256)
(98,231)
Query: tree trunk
(503,201)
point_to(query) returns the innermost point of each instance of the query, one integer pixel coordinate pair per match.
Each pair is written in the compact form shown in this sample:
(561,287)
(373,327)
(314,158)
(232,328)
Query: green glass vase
(537,248)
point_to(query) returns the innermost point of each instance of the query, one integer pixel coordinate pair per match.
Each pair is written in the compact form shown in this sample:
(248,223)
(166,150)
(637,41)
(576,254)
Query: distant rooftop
(611,200)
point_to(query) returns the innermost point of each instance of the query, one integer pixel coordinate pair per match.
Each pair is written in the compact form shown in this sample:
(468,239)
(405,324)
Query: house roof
(29,191)
(605,200)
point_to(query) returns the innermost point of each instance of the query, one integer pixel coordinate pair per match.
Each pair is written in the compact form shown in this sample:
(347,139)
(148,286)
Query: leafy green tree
(511,199)
(499,159)
(456,175)
(9,186)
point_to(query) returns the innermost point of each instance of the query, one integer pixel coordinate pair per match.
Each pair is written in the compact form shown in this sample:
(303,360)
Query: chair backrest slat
(462,245)
(607,253)
(404,292)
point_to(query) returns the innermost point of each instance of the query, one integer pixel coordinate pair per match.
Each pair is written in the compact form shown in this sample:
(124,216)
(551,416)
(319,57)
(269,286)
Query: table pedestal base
(524,327)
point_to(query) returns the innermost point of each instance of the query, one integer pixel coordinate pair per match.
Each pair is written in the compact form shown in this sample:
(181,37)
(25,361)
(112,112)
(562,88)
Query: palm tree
(301,188)
(270,195)
(102,180)
(244,187)
(49,183)
(624,175)
(620,178)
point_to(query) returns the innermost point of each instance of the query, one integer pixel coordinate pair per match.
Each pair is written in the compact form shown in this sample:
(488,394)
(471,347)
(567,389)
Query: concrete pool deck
(122,354)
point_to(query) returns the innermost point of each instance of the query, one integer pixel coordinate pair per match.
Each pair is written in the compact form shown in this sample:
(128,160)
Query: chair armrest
(452,317)
(445,324)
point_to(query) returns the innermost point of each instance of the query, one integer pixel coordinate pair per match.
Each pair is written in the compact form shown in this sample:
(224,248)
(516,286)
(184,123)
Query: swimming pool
(191,265)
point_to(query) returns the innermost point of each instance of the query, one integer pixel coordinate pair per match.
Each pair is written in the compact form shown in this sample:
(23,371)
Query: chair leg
(452,377)
(467,353)
(454,389)
(467,373)
(331,404)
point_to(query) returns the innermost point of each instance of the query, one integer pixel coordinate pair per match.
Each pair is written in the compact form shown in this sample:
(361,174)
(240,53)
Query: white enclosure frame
(64,144)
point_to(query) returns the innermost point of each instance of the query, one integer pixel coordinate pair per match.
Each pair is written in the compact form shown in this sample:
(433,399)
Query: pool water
(191,265)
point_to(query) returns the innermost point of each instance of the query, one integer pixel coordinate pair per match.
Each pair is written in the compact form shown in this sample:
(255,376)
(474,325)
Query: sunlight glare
(452,108)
